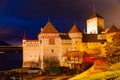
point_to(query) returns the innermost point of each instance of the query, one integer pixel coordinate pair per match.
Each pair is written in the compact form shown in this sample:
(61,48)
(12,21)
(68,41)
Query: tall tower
(95,24)
(50,43)
(76,36)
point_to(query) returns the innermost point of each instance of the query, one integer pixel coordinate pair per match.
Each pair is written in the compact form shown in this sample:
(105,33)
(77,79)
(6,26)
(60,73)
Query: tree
(113,49)
(52,64)
(51,61)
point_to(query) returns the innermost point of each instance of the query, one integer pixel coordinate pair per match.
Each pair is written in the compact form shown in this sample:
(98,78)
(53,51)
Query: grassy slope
(112,73)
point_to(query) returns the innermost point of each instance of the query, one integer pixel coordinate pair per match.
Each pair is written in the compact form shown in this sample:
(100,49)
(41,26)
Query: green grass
(113,73)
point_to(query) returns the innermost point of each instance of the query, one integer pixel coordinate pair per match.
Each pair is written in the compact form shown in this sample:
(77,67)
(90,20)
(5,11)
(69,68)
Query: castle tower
(32,56)
(95,24)
(48,33)
(50,42)
(76,36)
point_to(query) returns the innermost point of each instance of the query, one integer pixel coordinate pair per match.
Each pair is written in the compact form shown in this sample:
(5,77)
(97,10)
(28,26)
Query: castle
(67,47)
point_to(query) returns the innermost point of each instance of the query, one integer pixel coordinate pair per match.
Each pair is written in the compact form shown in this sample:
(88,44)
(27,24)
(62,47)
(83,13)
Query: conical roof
(95,15)
(74,29)
(49,28)
(112,29)
(24,37)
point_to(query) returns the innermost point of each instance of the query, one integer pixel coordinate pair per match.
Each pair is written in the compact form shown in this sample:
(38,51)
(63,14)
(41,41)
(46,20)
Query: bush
(114,67)
(64,70)
(51,61)
(54,70)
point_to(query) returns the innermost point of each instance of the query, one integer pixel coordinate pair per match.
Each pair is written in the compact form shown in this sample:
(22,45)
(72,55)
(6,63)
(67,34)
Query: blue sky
(19,16)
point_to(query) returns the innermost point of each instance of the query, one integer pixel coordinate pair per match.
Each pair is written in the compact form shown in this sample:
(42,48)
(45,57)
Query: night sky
(19,16)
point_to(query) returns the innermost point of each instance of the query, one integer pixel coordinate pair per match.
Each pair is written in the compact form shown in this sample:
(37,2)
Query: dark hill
(3,43)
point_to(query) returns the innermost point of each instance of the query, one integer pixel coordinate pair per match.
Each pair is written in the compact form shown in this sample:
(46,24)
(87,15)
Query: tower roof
(95,15)
(112,29)
(74,29)
(49,28)
(24,37)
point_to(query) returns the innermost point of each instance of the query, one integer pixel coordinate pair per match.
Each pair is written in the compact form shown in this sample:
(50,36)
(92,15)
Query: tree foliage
(113,49)
(51,64)
(51,61)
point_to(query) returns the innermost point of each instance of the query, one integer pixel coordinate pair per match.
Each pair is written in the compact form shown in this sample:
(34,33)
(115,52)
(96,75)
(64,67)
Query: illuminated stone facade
(95,24)
(51,43)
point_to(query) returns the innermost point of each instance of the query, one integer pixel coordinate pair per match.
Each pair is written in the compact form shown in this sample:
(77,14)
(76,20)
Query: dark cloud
(17,16)
(7,33)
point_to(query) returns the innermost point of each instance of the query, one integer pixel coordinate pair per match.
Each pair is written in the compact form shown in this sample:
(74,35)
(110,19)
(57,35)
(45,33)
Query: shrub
(54,70)
(114,67)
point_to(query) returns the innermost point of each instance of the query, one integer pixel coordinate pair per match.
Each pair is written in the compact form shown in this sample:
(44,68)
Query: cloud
(7,32)
(30,15)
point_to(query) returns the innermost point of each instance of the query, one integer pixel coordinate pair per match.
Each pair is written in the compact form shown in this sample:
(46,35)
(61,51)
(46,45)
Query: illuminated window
(51,41)
(40,41)
(69,58)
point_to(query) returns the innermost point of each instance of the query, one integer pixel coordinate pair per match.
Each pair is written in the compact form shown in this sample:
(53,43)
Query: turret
(76,36)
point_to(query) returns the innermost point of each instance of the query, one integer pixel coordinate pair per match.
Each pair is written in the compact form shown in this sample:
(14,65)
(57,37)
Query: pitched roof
(24,37)
(95,15)
(92,38)
(112,29)
(74,54)
(74,29)
(49,28)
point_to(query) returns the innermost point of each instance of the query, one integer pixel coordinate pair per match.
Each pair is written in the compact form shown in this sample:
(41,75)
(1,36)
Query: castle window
(69,58)
(40,41)
(76,42)
(102,42)
(74,47)
(51,41)
(52,51)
